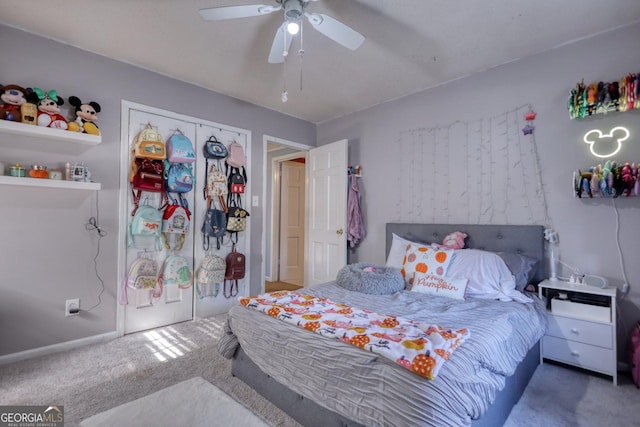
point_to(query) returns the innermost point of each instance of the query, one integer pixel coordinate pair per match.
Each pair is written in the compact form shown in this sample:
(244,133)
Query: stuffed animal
(49,109)
(614,95)
(592,98)
(605,179)
(29,110)
(453,240)
(583,184)
(86,114)
(595,180)
(627,178)
(12,97)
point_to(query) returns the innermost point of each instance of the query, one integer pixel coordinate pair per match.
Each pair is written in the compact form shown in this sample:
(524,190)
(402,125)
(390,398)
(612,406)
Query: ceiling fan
(294,10)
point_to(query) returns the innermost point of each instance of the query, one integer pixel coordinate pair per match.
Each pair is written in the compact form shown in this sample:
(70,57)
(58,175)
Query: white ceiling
(410,45)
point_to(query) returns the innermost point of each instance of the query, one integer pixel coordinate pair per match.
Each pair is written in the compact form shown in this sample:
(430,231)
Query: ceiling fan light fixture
(293,12)
(293,28)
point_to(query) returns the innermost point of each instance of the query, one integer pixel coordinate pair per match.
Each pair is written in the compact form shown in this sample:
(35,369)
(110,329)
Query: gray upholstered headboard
(521,239)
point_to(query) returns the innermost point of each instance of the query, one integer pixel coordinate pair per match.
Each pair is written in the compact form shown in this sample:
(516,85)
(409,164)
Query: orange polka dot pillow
(425,259)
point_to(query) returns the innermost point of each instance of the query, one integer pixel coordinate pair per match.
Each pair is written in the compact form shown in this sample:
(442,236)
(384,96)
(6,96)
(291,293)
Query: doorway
(278,153)
(325,208)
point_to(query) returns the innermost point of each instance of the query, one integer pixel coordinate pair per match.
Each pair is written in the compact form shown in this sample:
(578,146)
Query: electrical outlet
(72,307)
(625,288)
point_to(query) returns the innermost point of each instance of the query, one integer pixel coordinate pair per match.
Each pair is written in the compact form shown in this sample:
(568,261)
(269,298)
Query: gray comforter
(373,390)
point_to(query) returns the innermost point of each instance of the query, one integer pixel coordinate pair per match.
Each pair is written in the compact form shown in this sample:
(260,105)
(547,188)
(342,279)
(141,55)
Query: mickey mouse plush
(49,109)
(12,97)
(86,114)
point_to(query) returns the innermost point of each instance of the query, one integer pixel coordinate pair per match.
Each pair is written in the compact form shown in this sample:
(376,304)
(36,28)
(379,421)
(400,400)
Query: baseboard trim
(57,348)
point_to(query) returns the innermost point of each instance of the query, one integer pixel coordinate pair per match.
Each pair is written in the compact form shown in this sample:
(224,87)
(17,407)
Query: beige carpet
(96,378)
(194,403)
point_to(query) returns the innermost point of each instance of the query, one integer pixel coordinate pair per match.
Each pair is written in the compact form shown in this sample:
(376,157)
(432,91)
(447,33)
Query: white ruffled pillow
(397,251)
(489,277)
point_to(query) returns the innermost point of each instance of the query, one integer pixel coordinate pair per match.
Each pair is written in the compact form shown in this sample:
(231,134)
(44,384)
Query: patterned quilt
(418,347)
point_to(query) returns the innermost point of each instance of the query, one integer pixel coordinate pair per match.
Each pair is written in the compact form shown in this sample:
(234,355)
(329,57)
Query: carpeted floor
(95,378)
(99,377)
(194,402)
(561,397)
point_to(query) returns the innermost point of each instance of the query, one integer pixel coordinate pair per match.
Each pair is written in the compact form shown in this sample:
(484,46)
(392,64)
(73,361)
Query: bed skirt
(311,414)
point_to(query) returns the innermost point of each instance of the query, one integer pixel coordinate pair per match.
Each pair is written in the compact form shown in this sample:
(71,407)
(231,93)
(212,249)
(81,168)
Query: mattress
(374,391)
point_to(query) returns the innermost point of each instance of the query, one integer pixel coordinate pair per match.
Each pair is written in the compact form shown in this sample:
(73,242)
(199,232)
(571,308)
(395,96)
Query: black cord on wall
(93,225)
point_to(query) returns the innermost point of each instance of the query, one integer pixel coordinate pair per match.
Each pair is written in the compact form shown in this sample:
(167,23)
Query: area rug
(194,402)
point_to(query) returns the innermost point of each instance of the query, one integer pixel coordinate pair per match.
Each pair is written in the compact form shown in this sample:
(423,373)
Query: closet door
(143,310)
(220,303)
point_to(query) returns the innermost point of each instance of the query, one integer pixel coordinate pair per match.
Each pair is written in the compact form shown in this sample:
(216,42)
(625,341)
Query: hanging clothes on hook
(355,221)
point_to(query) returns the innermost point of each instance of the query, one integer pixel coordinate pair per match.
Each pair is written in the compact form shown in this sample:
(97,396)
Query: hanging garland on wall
(485,171)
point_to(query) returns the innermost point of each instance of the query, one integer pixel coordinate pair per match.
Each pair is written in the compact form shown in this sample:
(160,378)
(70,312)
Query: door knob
(339,232)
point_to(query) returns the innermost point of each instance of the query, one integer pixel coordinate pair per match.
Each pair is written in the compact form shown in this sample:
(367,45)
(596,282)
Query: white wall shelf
(49,183)
(45,133)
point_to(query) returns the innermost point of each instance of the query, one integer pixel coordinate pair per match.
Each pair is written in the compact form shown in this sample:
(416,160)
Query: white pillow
(398,248)
(433,284)
(489,277)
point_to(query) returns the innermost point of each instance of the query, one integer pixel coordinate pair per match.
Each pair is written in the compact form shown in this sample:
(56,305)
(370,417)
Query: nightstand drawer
(578,354)
(581,331)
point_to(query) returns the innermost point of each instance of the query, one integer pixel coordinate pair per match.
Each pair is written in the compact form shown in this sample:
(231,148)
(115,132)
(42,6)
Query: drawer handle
(575,331)
(575,353)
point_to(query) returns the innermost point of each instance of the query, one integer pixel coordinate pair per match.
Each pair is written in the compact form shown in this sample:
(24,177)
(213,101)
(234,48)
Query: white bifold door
(142,310)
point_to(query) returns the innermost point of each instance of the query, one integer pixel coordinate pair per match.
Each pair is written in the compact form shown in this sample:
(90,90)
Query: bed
(324,382)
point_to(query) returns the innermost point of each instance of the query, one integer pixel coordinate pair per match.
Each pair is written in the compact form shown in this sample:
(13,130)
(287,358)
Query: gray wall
(47,255)
(587,229)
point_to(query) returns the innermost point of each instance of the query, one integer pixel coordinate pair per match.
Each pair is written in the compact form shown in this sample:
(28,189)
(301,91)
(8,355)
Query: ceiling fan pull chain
(285,95)
(301,51)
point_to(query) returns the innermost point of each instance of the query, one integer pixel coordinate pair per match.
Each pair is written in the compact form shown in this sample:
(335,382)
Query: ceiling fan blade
(278,46)
(335,30)
(233,12)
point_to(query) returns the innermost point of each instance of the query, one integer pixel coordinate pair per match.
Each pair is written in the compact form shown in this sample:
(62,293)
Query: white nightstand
(582,326)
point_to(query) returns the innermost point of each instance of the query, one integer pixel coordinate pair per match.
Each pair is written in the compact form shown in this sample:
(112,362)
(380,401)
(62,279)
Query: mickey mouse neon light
(596,135)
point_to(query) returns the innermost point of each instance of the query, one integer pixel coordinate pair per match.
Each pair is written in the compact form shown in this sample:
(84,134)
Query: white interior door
(292,202)
(327,214)
(174,304)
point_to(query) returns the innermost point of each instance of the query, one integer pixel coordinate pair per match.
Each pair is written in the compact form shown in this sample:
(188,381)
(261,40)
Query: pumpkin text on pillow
(432,284)
(425,259)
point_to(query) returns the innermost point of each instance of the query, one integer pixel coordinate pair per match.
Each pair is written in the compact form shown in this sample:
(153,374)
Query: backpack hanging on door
(236,218)
(237,180)
(176,271)
(143,275)
(214,225)
(149,144)
(146,222)
(216,184)
(235,270)
(213,150)
(178,177)
(236,158)
(175,221)
(210,276)
(146,175)
(180,149)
